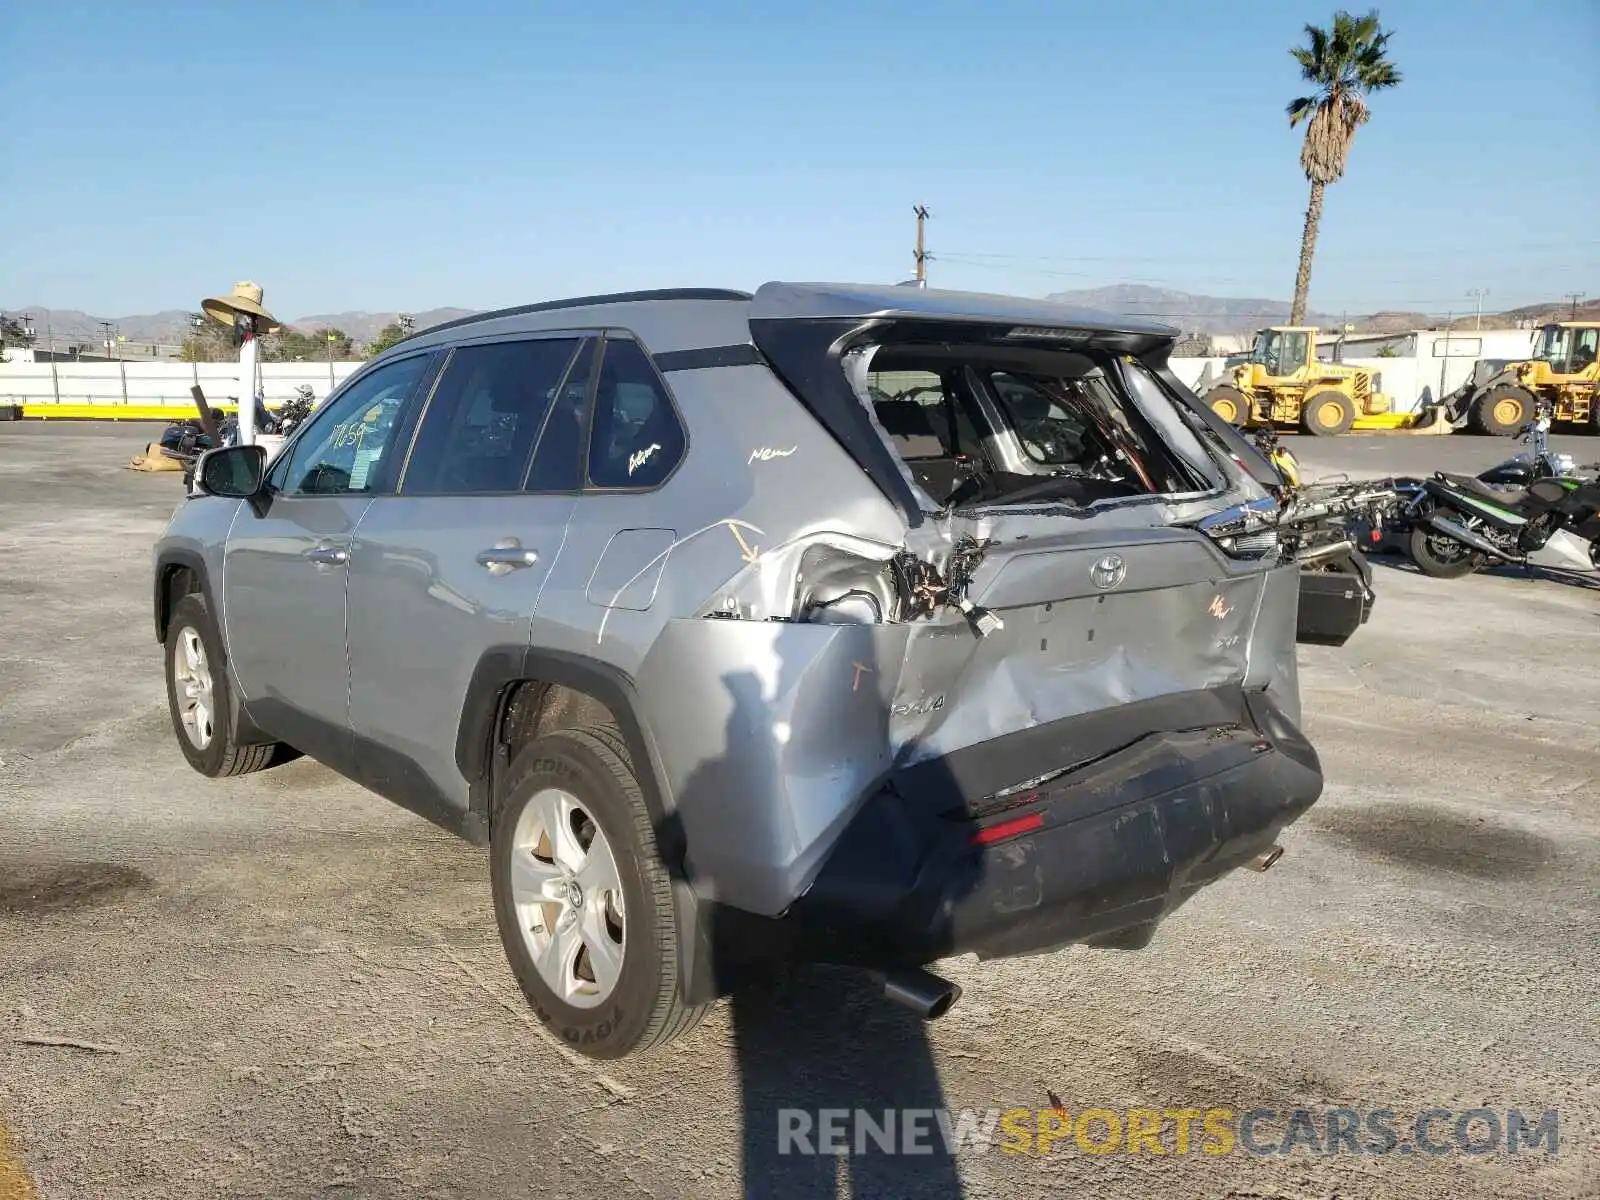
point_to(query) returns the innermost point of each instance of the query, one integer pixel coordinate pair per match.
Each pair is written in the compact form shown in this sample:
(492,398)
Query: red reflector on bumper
(1007,829)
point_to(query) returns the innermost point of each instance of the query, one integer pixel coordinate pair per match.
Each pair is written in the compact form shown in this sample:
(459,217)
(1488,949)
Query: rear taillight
(1003,830)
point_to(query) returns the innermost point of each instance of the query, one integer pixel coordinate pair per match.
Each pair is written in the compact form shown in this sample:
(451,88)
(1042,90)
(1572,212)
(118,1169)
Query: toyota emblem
(1108,571)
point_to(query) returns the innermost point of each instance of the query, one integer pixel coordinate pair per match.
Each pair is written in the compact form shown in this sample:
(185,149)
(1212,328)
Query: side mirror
(232,472)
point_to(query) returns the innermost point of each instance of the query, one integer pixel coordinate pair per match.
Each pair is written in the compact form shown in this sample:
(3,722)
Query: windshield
(1554,344)
(1280,351)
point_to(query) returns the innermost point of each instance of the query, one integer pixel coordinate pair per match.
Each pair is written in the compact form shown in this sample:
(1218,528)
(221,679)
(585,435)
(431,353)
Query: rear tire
(1327,414)
(616,986)
(1228,403)
(1429,551)
(199,699)
(1502,411)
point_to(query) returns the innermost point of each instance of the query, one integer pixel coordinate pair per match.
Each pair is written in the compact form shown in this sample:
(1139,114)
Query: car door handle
(500,559)
(328,556)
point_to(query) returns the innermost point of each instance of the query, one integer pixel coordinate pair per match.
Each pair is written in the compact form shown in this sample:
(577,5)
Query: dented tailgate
(1086,621)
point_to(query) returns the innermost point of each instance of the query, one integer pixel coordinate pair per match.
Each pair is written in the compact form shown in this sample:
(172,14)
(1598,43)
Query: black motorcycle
(187,440)
(1534,509)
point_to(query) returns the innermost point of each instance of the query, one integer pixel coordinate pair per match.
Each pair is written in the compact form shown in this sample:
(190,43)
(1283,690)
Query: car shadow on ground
(819,1050)
(824,1040)
(1437,839)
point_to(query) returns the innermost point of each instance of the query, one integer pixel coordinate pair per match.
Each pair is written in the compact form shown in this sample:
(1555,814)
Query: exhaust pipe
(921,991)
(1265,860)
(1332,550)
(1467,538)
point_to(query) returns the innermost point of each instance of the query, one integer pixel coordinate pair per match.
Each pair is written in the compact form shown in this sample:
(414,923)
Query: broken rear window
(985,424)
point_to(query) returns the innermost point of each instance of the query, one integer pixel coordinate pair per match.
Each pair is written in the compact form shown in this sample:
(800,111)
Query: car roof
(698,318)
(897,301)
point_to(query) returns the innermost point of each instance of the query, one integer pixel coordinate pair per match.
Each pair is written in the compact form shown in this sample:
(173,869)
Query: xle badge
(1108,571)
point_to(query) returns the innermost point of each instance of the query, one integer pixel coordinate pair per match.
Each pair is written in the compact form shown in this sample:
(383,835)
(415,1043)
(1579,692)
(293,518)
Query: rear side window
(485,416)
(922,416)
(637,439)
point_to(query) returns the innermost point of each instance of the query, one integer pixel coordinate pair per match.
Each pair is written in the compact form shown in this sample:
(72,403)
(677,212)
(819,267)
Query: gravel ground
(283,986)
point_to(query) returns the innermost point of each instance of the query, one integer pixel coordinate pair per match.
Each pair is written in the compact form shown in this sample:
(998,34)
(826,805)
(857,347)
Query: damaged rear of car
(1008,664)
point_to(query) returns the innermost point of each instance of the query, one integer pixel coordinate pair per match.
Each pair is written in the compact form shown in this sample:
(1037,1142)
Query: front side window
(1051,433)
(1586,348)
(485,416)
(1082,424)
(341,452)
(636,439)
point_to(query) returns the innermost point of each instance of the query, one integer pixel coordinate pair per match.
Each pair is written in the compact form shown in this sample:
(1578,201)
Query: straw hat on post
(245,298)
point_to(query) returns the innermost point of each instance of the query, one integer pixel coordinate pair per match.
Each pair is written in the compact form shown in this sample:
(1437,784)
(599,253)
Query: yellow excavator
(1564,373)
(1284,383)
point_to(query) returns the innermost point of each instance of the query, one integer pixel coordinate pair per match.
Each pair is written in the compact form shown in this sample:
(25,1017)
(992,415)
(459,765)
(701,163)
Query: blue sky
(487,152)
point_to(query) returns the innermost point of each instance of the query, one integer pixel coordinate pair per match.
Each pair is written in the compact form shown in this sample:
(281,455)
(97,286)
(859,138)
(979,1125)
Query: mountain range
(1190,311)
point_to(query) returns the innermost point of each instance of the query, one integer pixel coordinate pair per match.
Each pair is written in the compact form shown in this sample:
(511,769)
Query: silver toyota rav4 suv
(850,624)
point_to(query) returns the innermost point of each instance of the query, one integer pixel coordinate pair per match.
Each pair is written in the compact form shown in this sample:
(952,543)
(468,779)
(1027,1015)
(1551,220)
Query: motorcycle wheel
(1439,556)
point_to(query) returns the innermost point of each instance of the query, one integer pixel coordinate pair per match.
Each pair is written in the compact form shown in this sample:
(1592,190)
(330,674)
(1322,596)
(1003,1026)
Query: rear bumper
(1102,853)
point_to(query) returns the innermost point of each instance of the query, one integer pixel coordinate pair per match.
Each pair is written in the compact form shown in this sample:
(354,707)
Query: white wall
(166,383)
(1412,381)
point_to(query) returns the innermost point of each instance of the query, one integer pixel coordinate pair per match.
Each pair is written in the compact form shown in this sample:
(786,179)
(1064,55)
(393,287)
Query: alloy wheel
(568,897)
(191,676)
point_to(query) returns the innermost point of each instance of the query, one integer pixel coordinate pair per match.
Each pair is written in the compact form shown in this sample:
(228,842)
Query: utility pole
(1478,294)
(1575,297)
(922,255)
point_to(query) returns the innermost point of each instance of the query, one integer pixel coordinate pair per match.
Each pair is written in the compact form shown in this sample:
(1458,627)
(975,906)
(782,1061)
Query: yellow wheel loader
(1564,373)
(1284,383)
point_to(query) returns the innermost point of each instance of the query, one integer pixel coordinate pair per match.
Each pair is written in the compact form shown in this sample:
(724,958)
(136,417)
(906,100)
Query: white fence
(140,385)
(1440,365)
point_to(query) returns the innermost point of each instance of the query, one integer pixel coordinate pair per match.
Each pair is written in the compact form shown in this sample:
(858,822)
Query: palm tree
(1344,65)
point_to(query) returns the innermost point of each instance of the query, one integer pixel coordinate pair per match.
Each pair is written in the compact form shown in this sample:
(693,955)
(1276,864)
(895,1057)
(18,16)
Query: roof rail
(585,302)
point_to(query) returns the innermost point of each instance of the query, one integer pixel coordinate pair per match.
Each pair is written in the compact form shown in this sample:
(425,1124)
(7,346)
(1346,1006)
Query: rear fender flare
(482,760)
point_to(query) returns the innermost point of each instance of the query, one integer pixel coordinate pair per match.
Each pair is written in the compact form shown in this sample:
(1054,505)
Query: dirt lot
(281,986)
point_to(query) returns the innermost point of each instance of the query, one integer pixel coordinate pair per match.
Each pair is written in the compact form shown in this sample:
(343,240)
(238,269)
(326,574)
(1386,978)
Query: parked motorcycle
(1534,509)
(1314,530)
(187,440)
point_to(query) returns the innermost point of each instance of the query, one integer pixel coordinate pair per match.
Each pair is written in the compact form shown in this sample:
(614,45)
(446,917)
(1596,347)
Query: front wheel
(1439,555)
(1503,410)
(1229,404)
(1327,414)
(582,899)
(199,699)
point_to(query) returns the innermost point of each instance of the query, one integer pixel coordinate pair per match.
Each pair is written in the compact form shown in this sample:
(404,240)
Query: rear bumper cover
(1108,848)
